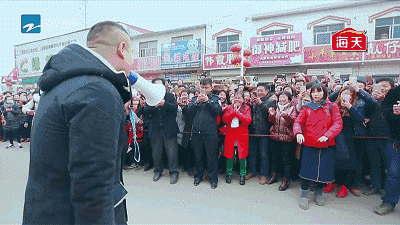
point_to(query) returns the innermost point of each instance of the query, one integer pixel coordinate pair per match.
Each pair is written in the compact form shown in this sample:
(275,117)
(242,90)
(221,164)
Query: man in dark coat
(205,109)
(391,108)
(75,173)
(162,133)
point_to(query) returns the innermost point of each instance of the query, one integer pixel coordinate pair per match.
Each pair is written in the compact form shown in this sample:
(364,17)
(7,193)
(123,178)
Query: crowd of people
(329,133)
(17,111)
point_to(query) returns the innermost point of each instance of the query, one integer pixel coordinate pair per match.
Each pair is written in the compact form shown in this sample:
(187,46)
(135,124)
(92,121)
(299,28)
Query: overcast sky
(59,17)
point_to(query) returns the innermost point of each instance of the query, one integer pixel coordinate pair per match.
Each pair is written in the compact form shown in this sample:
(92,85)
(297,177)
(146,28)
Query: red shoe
(330,187)
(343,192)
(28,140)
(23,139)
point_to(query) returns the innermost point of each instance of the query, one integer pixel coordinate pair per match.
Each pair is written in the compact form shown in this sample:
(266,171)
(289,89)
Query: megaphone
(154,93)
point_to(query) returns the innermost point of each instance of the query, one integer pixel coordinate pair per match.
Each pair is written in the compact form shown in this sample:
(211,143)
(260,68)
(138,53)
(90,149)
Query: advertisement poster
(183,54)
(219,61)
(324,53)
(279,49)
(387,49)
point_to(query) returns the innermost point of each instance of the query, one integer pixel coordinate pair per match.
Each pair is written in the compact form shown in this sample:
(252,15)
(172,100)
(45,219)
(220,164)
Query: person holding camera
(11,123)
(205,109)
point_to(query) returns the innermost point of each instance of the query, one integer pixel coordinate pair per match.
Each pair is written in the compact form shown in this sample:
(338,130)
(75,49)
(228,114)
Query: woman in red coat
(237,117)
(316,127)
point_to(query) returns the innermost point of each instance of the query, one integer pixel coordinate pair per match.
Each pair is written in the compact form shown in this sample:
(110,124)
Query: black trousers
(158,143)
(207,144)
(282,154)
(14,134)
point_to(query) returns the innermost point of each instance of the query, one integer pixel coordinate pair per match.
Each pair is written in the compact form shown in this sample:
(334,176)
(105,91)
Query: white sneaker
(20,145)
(10,146)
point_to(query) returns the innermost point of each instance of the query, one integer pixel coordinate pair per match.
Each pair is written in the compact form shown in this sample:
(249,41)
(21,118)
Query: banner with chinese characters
(183,54)
(219,61)
(276,49)
(33,56)
(387,49)
(183,75)
(324,53)
(147,63)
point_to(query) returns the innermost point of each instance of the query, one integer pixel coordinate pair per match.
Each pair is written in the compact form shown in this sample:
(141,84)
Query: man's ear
(120,50)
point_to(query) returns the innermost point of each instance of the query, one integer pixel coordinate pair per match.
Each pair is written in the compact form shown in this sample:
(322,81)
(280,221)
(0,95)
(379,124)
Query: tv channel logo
(30,23)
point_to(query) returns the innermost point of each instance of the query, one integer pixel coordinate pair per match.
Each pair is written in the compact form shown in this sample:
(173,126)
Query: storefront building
(300,41)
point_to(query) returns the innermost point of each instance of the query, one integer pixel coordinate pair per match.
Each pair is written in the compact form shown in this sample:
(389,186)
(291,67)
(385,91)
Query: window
(224,43)
(182,38)
(322,34)
(147,49)
(387,28)
(272,32)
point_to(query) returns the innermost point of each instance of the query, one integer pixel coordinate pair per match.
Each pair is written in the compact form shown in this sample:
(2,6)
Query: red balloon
(246,63)
(247,52)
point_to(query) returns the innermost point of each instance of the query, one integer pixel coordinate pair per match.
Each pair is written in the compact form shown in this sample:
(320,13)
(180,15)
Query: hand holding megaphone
(154,93)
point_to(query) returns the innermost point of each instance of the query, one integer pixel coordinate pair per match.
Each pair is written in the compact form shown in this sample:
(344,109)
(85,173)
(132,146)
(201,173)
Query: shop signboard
(147,63)
(183,54)
(349,40)
(33,56)
(279,49)
(219,61)
(182,75)
(324,53)
(383,50)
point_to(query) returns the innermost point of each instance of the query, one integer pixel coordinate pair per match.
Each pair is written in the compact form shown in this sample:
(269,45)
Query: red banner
(148,63)
(324,53)
(381,50)
(219,61)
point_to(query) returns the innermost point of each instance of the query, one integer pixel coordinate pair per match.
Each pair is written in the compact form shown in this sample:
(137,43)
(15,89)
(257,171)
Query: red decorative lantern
(236,48)
(246,52)
(246,63)
(237,59)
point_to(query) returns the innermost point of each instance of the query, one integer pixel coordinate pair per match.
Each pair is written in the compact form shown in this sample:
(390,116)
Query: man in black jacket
(391,108)
(75,172)
(162,133)
(261,126)
(205,109)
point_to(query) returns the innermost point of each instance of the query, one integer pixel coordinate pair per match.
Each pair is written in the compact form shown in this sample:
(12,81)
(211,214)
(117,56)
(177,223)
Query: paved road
(161,202)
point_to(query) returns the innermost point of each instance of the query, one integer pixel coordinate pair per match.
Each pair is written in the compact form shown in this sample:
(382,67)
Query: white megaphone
(154,93)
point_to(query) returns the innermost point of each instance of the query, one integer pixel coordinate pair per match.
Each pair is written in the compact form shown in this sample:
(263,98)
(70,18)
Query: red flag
(14,73)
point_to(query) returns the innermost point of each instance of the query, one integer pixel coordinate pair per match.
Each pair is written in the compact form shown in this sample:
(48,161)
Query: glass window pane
(396,32)
(281,31)
(397,20)
(323,38)
(143,45)
(154,52)
(318,29)
(265,33)
(230,44)
(222,39)
(153,44)
(175,39)
(385,21)
(336,27)
(233,37)
(382,32)
(223,47)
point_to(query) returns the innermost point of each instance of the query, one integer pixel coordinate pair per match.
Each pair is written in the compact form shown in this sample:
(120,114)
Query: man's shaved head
(102,29)
(112,42)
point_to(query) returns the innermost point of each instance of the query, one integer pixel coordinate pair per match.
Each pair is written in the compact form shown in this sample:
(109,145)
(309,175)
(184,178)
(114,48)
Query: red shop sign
(349,40)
